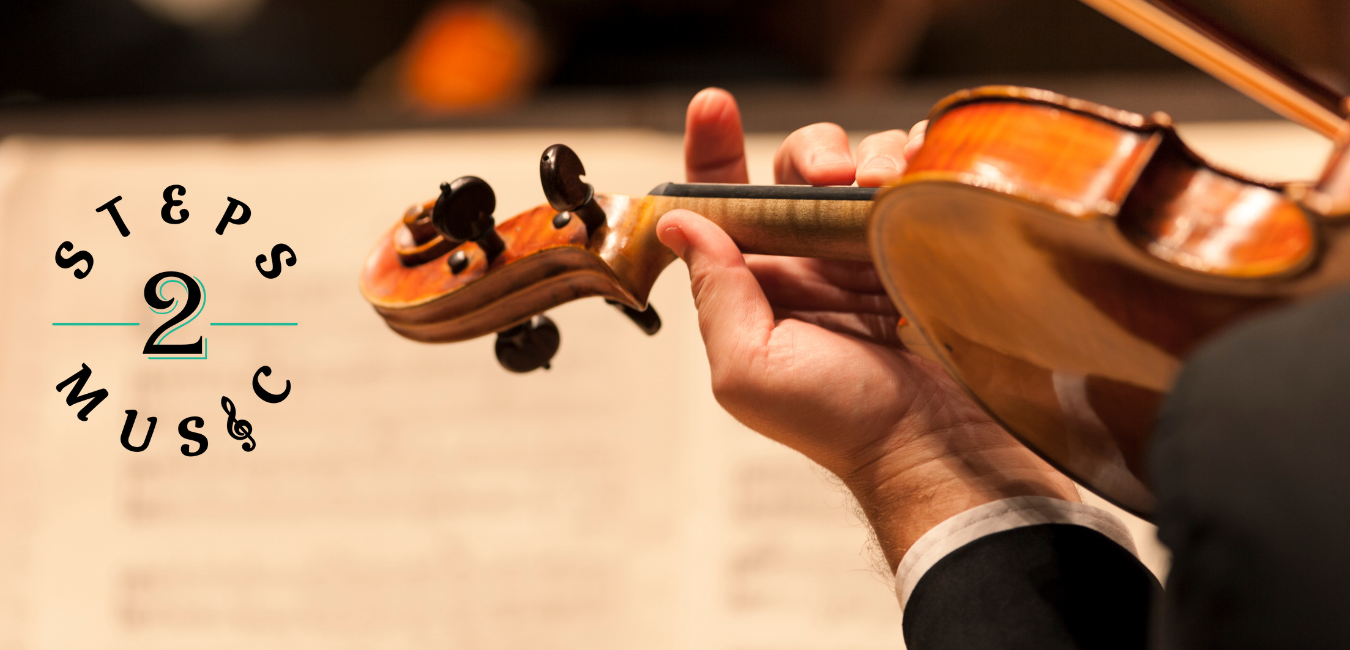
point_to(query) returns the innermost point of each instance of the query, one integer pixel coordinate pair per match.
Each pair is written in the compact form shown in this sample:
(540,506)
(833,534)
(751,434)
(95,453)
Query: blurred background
(419,496)
(283,65)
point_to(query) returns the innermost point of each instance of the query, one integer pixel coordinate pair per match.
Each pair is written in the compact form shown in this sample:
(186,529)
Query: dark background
(81,49)
(270,67)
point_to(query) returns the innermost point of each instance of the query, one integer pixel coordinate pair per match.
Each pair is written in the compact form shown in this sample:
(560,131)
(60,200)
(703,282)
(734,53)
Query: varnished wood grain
(1079,163)
(828,229)
(427,302)
(543,266)
(1061,260)
(1197,217)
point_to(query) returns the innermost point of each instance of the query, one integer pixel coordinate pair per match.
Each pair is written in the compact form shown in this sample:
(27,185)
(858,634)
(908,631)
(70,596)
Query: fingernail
(673,238)
(706,105)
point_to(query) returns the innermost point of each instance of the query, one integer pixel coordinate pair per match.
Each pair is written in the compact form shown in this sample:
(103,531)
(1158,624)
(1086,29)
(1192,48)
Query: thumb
(733,314)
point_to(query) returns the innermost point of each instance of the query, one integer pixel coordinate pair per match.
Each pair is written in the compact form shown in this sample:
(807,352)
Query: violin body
(1061,259)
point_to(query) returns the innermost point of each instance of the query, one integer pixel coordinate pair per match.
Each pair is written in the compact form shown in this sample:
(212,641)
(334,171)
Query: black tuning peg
(463,213)
(560,171)
(647,320)
(529,345)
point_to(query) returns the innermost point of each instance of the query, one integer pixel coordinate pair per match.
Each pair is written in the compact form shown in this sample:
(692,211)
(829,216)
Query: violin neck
(792,220)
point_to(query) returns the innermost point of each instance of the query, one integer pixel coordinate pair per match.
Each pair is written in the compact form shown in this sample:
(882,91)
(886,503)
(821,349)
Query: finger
(873,328)
(714,145)
(733,314)
(814,155)
(915,139)
(881,158)
(859,277)
(794,286)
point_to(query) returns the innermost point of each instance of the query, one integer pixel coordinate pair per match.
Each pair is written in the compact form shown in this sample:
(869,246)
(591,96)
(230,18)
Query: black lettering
(111,207)
(75,397)
(276,261)
(166,212)
(270,398)
(239,429)
(126,432)
(67,262)
(229,215)
(188,434)
(152,298)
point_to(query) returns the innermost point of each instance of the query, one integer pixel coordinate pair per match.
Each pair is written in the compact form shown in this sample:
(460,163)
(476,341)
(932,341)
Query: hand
(805,351)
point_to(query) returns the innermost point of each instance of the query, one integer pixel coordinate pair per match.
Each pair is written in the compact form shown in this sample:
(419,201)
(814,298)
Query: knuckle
(886,141)
(737,377)
(725,381)
(812,134)
(698,284)
(732,386)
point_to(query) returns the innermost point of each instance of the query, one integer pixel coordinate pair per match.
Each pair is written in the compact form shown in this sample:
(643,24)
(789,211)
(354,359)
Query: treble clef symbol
(238,429)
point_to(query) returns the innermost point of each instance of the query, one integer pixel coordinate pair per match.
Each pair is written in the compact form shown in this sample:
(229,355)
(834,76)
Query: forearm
(911,484)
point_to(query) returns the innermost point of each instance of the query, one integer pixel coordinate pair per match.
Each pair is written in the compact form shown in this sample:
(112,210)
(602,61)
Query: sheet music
(405,495)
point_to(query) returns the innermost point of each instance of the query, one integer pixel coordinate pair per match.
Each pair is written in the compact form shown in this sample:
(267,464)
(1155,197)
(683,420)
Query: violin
(1059,258)
(447,272)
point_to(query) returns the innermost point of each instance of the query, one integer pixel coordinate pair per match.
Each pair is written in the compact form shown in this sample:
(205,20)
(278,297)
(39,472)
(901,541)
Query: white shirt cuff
(997,517)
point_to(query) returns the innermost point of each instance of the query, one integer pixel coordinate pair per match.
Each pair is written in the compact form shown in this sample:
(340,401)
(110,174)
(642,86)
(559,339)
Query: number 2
(157,303)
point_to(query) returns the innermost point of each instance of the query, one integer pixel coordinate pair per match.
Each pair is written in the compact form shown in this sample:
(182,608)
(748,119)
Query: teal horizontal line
(257,324)
(93,324)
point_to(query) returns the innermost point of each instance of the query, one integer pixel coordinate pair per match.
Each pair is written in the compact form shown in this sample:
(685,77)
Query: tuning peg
(463,212)
(529,345)
(560,171)
(418,222)
(647,320)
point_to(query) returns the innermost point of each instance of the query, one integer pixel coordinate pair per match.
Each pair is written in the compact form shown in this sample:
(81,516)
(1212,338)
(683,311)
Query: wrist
(915,482)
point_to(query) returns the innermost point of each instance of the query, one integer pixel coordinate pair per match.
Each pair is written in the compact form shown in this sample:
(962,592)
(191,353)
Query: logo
(175,300)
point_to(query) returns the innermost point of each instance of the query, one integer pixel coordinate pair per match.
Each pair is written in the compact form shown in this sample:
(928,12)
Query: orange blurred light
(469,55)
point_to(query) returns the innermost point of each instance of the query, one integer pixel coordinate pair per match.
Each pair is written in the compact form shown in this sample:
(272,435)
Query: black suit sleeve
(1251,464)
(1047,587)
